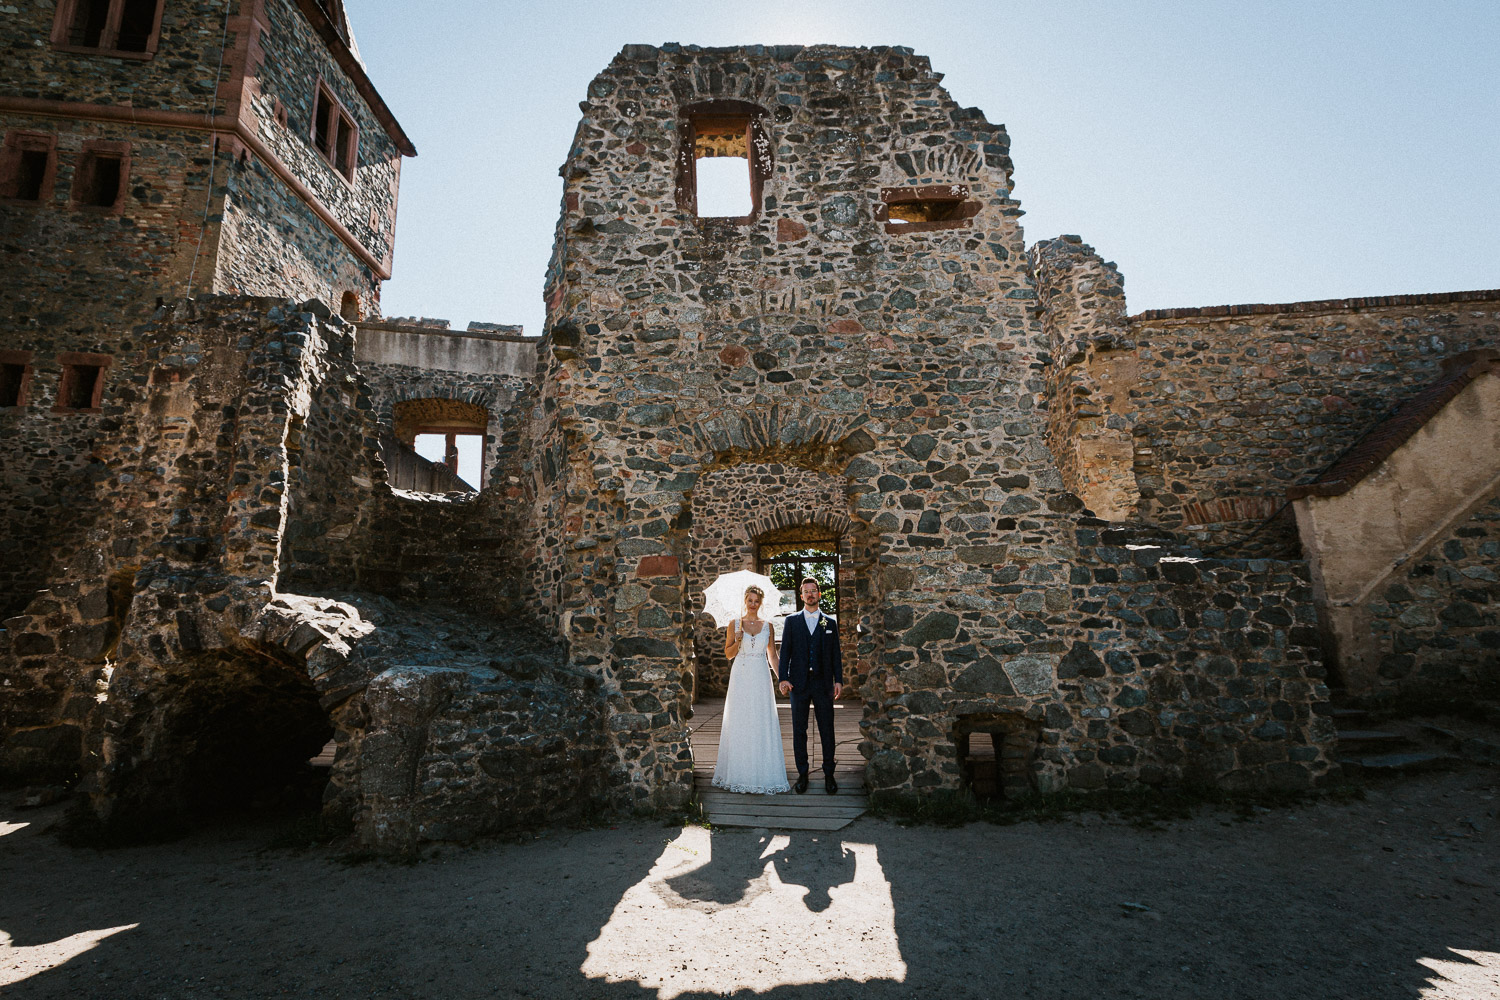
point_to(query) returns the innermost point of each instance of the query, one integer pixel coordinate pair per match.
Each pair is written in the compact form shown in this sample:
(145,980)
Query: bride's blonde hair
(753,589)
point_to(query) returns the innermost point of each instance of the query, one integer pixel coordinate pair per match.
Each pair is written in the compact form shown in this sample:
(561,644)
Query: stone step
(1415,760)
(827,824)
(815,789)
(1359,739)
(814,799)
(1469,747)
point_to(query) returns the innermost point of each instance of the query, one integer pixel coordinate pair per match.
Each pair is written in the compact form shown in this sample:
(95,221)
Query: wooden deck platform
(816,810)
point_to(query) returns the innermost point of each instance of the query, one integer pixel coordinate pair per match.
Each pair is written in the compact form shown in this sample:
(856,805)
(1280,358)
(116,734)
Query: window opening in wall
(462,453)
(334,134)
(926,211)
(446,432)
(721,157)
(788,567)
(80,387)
(110,25)
(27,166)
(723,160)
(31,172)
(89,20)
(99,181)
(102,185)
(12,383)
(137,19)
(349,307)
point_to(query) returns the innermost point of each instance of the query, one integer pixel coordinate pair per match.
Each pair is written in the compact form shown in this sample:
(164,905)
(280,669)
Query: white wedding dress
(750,754)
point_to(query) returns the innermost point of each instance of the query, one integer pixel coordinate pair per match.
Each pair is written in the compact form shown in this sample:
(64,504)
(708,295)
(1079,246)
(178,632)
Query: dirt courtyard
(1397,895)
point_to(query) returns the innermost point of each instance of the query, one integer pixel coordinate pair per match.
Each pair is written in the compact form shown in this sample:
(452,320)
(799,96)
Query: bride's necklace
(746,622)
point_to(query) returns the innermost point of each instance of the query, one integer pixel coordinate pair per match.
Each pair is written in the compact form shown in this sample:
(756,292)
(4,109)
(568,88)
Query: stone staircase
(1395,748)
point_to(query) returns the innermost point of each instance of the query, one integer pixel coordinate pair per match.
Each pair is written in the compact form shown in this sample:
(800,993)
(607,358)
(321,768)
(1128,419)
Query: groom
(811,670)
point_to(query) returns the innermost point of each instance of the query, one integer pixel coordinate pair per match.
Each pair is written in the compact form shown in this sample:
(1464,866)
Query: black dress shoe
(801,785)
(830,786)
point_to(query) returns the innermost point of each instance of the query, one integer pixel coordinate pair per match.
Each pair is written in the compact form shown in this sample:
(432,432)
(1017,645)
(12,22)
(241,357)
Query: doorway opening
(791,555)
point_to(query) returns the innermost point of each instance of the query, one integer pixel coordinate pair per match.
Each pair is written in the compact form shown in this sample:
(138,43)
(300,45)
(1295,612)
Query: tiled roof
(1385,437)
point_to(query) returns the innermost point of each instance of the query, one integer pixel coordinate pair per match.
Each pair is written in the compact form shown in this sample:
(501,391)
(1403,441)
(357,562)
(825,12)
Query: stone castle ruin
(1129,549)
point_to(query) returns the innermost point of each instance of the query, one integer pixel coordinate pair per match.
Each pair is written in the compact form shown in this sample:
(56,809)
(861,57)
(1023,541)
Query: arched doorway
(782,520)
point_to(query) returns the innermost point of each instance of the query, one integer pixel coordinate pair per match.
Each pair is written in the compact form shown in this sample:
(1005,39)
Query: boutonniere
(823,624)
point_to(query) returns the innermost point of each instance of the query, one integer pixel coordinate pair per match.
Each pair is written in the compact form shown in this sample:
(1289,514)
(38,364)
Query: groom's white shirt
(810,618)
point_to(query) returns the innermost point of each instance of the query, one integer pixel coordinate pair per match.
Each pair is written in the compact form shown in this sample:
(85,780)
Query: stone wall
(169,667)
(1130,664)
(680,344)
(270,242)
(1091,377)
(70,268)
(1437,626)
(905,363)
(190,35)
(293,61)
(1238,403)
(401,362)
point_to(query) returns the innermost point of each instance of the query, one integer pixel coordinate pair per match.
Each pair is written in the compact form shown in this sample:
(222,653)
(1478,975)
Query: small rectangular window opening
(470,449)
(462,453)
(321,113)
(334,134)
(31,174)
(137,19)
(12,380)
(90,17)
(122,26)
(79,386)
(722,163)
(100,181)
(932,210)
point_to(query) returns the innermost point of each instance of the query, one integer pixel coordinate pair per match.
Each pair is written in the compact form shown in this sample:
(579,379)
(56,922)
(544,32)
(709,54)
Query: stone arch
(801,436)
(836,522)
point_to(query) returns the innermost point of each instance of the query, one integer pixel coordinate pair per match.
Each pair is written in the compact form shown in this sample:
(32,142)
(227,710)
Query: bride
(750,754)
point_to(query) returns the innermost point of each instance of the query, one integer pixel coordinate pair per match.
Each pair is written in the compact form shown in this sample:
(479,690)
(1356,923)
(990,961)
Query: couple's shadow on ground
(734,874)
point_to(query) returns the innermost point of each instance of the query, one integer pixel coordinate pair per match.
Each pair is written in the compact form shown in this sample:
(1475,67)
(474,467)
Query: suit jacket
(816,656)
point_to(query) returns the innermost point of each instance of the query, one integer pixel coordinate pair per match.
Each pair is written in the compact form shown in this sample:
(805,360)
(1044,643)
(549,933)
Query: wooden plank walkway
(816,810)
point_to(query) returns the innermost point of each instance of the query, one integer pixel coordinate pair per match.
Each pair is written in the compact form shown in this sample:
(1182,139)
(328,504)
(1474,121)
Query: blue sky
(1218,152)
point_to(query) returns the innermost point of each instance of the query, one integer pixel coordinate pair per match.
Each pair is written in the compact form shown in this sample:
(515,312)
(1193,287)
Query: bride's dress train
(750,754)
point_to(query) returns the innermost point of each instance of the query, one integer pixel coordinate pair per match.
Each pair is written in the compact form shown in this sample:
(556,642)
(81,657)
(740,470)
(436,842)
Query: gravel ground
(1397,895)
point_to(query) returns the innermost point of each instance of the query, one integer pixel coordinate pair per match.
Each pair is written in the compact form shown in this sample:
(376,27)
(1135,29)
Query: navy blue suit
(812,663)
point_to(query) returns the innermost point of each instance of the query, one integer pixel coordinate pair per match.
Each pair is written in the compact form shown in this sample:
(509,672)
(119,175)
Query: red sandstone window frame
(17,145)
(84,175)
(22,360)
(758,149)
(335,113)
(962,211)
(73,364)
(62,26)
